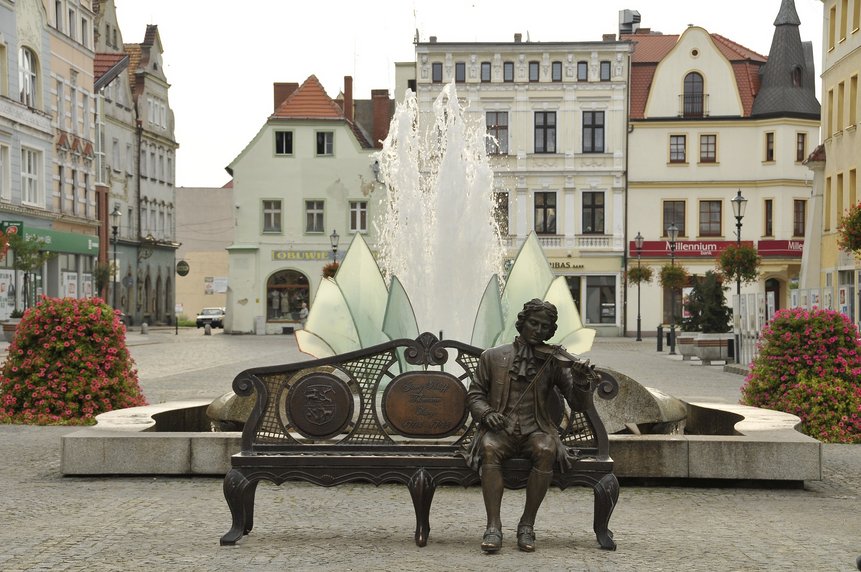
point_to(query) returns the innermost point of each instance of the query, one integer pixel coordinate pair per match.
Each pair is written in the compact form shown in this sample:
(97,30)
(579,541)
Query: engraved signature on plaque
(425,404)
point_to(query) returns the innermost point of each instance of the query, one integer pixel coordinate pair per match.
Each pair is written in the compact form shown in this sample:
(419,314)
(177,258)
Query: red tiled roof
(103,62)
(309,101)
(134,52)
(651,49)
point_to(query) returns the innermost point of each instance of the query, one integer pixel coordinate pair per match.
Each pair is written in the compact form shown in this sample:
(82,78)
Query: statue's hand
(587,372)
(495,421)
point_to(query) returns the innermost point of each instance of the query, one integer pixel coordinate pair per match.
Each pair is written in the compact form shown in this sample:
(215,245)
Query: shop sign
(70,242)
(301,255)
(684,248)
(785,248)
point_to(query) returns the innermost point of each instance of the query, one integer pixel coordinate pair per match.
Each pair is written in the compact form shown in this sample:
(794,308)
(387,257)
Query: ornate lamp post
(115,227)
(638,242)
(334,238)
(738,205)
(673,234)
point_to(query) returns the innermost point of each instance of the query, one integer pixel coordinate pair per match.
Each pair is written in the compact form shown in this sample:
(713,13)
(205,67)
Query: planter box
(9,327)
(685,344)
(712,347)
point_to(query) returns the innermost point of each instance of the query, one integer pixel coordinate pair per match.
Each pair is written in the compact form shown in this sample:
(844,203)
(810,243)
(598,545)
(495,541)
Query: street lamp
(334,238)
(638,242)
(673,234)
(115,227)
(738,205)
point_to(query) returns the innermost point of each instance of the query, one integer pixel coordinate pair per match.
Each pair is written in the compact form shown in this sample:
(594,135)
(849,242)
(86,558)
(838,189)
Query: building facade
(831,276)
(304,178)
(557,112)
(711,119)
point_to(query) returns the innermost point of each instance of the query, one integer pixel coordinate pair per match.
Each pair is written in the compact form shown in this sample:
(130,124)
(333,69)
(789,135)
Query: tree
(30,255)
(706,305)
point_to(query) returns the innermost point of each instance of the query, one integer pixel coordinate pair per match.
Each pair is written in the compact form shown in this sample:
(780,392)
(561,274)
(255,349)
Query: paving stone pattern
(154,523)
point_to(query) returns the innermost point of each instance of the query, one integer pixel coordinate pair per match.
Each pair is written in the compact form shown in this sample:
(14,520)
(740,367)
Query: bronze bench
(395,412)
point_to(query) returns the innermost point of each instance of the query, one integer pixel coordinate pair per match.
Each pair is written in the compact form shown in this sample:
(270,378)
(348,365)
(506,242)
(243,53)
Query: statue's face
(536,328)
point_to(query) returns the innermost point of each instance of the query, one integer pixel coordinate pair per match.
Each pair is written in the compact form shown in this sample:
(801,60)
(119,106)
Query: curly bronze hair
(534,306)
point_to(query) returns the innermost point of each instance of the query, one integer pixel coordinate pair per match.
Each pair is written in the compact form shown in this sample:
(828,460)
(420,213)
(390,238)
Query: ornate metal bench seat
(395,412)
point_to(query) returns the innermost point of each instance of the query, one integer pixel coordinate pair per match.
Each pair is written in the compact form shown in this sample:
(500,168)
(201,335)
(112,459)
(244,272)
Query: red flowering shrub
(809,364)
(67,363)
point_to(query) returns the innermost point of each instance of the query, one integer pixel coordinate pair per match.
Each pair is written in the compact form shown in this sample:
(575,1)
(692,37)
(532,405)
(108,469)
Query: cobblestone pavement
(156,523)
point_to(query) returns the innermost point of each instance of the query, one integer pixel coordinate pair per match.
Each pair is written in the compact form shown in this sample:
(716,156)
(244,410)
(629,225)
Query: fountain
(438,243)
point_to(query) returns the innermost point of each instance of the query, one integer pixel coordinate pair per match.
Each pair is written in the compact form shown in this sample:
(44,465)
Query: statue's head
(536,306)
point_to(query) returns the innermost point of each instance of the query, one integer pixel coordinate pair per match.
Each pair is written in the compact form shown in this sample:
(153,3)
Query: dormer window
(796,76)
(693,99)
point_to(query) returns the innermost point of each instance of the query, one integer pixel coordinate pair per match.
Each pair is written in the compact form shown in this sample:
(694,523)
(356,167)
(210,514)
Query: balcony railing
(582,242)
(693,105)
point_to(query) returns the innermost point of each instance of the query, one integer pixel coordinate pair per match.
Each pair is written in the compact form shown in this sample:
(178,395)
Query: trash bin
(260,325)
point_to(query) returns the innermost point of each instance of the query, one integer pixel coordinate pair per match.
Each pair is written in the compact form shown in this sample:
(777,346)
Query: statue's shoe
(492,540)
(525,538)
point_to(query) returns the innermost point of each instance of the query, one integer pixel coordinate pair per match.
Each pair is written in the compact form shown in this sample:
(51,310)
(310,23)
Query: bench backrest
(400,394)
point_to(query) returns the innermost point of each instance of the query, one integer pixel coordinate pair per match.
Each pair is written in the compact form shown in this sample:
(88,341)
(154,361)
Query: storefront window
(601,299)
(285,292)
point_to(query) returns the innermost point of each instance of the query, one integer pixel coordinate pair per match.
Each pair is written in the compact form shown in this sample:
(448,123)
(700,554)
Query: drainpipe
(625,192)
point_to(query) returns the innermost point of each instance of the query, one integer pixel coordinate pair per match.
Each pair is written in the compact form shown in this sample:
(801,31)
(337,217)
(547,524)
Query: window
(593,131)
(31,170)
(545,131)
(853,187)
(844,18)
(73,187)
(314,216)
(853,100)
(286,291)
(358,216)
(710,218)
(485,71)
(841,99)
(460,72)
(545,213)
(582,71)
(768,227)
(708,148)
(605,71)
(693,97)
(677,149)
(272,215)
(283,142)
(856,16)
(325,142)
(61,105)
(796,76)
(500,211)
(769,146)
(497,127)
(27,77)
(673,304)
(799,216)
(533,71)
(58,15)
(508,71)
(800,147)
(436,72)
(556,71)
(5,171)
(601,299)
(674,213)
(85,32)
(61,185)
(593,212)
(72,18)
(832,26)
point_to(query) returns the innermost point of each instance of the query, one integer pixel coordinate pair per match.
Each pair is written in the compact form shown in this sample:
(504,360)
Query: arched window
(286,290)
(796,76)
(693,97)
(27,77)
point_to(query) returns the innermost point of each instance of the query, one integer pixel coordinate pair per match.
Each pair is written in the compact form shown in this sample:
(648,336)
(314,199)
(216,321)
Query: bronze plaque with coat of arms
(320,405)
(425,404)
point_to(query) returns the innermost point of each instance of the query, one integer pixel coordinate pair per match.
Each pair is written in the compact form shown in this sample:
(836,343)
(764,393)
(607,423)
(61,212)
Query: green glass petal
(569,316)
(400,321)
(579,342)
(313,345)
(530,277)
(364,290)
(489,320)
(330,319)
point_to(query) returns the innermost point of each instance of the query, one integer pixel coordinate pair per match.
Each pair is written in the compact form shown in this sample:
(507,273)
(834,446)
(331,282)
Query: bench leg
(239,494)
(606,495)
(422,488)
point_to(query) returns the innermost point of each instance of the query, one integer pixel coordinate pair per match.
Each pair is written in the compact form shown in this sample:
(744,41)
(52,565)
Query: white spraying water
(438,234)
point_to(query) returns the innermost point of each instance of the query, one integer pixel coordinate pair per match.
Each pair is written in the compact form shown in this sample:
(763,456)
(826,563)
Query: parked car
(212,316)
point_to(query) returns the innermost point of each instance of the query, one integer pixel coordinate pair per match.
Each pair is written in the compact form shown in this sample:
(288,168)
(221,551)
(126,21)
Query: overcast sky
(222,56)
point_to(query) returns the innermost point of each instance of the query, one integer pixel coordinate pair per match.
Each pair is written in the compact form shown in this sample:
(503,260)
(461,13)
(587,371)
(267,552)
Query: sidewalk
(155,523)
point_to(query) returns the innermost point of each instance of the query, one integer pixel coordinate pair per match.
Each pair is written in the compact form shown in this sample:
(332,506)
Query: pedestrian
(303,314)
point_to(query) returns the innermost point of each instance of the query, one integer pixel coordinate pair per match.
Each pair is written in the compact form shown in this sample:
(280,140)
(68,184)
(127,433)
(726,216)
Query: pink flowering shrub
(809,364)
(67,363)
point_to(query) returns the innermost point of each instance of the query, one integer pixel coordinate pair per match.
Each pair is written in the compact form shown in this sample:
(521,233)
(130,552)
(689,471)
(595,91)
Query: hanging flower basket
(849,230)
(673,277)
(739,262)
(638,275)
(330,270)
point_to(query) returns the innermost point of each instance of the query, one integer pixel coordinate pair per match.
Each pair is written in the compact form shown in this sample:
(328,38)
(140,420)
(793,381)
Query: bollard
(671,340)
(144,328)
(207,330)
(660,338)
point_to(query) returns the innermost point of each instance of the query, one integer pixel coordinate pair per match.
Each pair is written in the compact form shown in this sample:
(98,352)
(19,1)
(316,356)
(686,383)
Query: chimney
(608,38)
(348,98)
(517,38)
(382,116)
(281,91)
(432,39)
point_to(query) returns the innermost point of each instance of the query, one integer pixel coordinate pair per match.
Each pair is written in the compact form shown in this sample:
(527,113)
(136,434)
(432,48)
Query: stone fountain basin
(720,442)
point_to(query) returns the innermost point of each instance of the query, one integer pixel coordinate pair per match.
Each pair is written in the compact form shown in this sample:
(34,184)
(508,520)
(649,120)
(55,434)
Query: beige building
(709,119)
(831,277)
(558,113)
